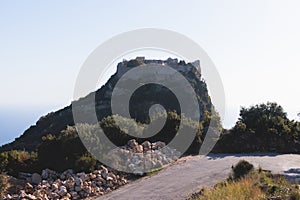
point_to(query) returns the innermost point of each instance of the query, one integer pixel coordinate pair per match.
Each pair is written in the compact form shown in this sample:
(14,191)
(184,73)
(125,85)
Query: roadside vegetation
(67,151)
(261,128)
(247,183)
(3,182)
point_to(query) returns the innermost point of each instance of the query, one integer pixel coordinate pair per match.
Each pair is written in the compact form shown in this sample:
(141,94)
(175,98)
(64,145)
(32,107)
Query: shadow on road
(219,156)
(293,174)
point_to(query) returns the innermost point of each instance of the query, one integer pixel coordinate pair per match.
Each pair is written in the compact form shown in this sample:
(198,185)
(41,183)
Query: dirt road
(186,175)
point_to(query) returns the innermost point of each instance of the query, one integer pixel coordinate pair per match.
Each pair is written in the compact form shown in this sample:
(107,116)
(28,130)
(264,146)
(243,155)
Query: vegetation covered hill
(55,122)
(54,143)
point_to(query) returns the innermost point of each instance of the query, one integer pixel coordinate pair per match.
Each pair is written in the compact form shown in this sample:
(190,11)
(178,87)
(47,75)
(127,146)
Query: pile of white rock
(132,158)
(140,158)
(69,185)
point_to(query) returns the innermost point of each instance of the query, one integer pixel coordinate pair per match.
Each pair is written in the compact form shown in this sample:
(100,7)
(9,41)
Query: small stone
(84,177)
(78,181)
(53,195)
(38,194)
(62,191)
(146,146)
(73,194)
(160,144)
(22,194)
(45,174)
(104,172)
(31,197)
(92,176)
(132,143)
(88,190)
(28,187)
(68,195)
(54,186)
(113,176)
(70,184)
(78,188)
(62,176)
(138,149)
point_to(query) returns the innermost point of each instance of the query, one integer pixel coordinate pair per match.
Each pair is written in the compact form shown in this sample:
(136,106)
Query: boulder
(36,178)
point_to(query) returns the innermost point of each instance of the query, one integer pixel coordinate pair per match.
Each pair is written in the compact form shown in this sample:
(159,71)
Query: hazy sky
(255,46)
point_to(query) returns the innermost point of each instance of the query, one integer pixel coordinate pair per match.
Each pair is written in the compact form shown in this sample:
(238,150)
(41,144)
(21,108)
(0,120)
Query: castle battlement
(180,66)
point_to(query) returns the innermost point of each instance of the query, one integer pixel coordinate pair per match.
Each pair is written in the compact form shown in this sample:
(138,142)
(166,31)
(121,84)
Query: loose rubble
(68,185)
(140,158)
(133,157)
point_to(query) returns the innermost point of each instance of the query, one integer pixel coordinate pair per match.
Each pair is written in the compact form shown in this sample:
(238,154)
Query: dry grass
(256,185)
(245,189)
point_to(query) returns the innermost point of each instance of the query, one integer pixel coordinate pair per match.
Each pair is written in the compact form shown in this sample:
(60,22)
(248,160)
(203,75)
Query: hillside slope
(55,122)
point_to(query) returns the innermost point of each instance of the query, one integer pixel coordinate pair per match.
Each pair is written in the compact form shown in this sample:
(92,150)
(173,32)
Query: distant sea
(13,122)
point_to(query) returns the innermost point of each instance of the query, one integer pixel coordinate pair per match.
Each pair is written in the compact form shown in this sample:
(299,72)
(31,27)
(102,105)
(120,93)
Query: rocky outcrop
(58,121)
(68,185)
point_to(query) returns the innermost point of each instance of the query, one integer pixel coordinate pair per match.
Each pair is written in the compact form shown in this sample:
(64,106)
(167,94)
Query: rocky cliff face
(55,122)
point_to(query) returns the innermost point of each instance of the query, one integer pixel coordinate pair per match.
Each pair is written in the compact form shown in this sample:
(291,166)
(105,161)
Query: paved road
(186,175)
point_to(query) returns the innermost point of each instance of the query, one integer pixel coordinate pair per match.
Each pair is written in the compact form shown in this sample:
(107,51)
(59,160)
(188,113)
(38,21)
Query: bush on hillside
(62,152)
(261,128)
(166,134)
(15,161)
(67,150)
(241,169)
(3,183)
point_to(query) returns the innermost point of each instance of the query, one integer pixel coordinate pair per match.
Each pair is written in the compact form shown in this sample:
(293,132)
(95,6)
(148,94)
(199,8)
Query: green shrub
(166,134)
(60,153)
(261,128)
(3,161)
(241,169)
(15,161)
(86,163)
(3,182)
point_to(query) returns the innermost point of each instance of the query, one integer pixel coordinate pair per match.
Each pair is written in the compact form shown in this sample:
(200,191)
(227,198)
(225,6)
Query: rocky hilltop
(55,122)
